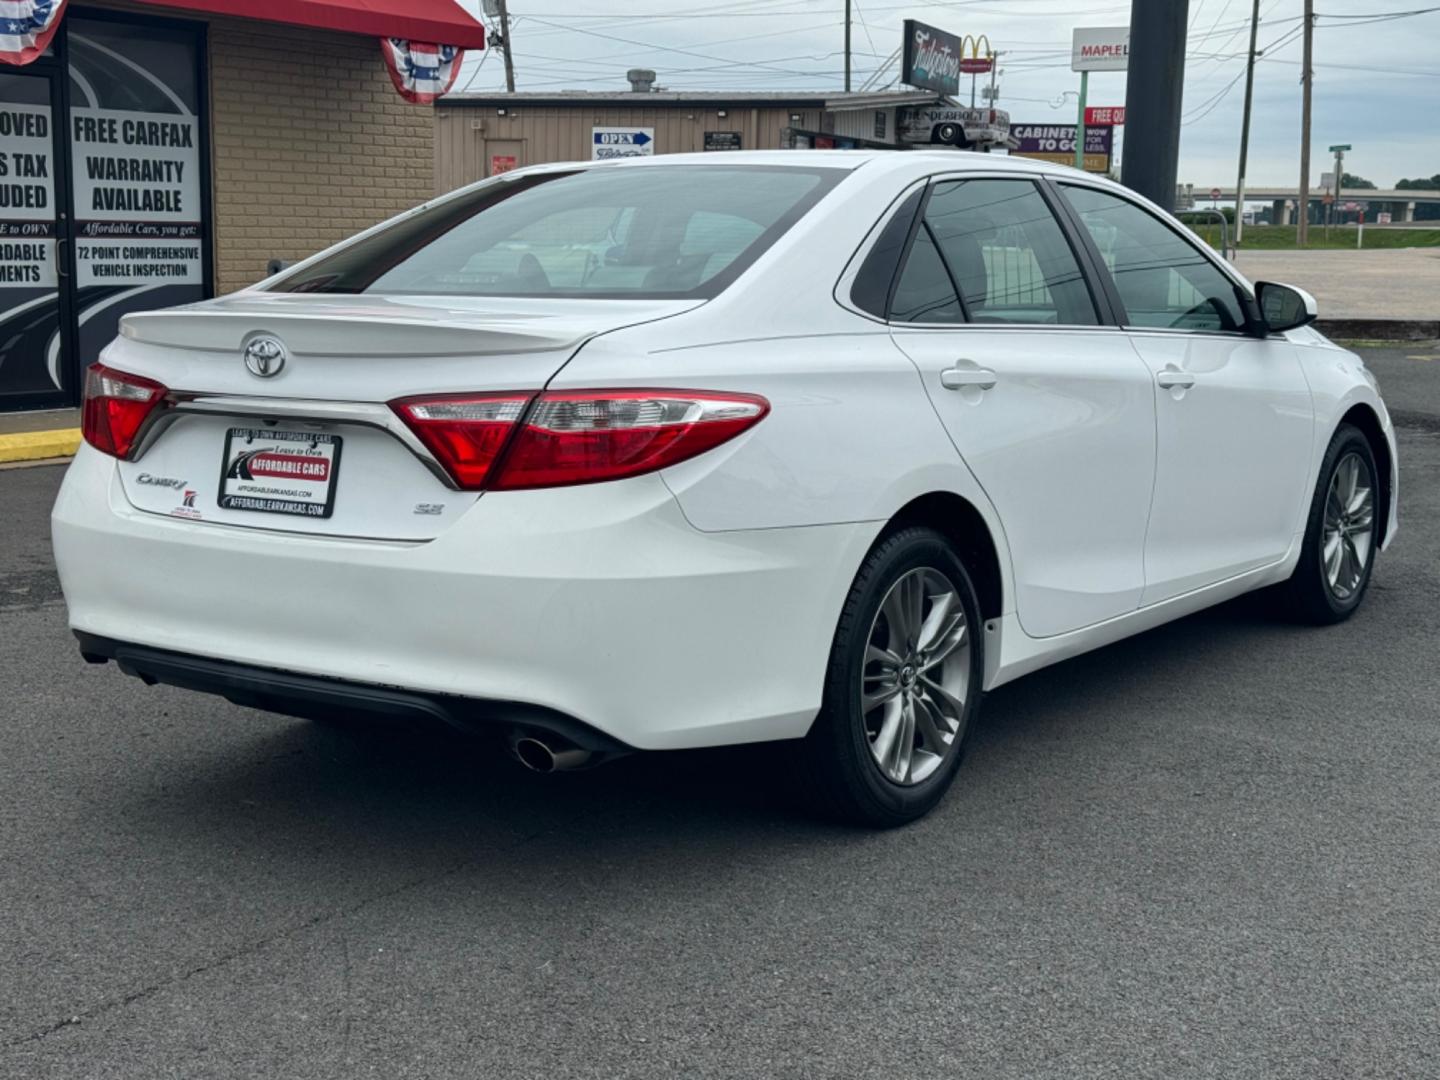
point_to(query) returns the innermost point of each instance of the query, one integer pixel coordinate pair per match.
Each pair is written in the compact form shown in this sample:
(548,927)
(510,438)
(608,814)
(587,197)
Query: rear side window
(991,251)
(1007,254)
(652,231)
(1163,279)
(926,291)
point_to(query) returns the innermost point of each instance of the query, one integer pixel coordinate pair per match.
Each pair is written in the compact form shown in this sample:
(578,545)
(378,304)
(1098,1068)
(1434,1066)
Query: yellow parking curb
(35,445)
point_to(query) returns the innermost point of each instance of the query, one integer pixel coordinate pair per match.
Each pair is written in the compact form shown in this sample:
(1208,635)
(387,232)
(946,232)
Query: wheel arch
(1363,417)
(958,519)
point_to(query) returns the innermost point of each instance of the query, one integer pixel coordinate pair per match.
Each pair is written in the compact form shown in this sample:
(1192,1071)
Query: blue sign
(615,142)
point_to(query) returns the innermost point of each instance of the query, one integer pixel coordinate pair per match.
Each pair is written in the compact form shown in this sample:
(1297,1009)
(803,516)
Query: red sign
(1214,193)
(502,163)
(1104,115)
(975,65)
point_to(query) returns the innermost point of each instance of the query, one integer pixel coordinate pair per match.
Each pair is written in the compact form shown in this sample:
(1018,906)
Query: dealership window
(126,227)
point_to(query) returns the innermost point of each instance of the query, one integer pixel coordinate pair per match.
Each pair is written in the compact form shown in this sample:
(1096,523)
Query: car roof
(898,160)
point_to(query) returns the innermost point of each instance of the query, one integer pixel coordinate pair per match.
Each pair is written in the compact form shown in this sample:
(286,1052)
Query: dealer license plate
(280,472)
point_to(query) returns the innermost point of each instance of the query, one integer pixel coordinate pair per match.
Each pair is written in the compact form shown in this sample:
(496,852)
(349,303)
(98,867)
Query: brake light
(465,432)
(115,408)
(574,436)
(585,436)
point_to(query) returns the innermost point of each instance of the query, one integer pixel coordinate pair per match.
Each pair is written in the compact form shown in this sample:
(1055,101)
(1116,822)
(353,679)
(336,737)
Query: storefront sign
(931,58)
(27,198)
(723,140)
(1100,48)
(1104,115)
(137,197)
(615,142)
(502,163)
(1056,143)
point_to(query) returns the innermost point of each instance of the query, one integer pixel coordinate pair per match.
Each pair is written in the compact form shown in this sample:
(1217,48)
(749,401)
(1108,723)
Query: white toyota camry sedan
(723,448)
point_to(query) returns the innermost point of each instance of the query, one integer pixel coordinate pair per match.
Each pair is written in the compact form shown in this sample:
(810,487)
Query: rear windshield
(650,231)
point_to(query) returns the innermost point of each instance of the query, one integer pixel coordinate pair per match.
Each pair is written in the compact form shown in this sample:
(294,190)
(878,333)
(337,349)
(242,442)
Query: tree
(1420,183)
(1356,182)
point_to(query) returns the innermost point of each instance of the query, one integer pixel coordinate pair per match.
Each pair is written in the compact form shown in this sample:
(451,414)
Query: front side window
(658,231)
(1164,280)
(1006,254)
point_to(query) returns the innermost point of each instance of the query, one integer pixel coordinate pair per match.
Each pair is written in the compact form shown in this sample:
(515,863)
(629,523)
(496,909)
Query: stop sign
(1214,193)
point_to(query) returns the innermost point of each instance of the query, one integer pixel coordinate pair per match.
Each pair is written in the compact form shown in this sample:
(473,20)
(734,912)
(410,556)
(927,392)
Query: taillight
(465,432)
(574,436)
(584,436)
(115,407)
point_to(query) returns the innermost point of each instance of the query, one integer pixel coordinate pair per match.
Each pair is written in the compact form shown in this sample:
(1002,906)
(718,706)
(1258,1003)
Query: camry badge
(264,357)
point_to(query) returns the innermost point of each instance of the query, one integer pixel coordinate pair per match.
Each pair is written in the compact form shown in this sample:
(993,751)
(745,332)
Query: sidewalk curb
(37,445)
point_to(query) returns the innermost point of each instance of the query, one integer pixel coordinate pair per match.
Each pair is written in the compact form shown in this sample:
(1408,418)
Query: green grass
(1279,237)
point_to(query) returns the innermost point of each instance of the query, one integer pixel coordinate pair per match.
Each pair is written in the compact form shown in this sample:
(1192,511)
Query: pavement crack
(1410,419)
(27,590)
(248,949)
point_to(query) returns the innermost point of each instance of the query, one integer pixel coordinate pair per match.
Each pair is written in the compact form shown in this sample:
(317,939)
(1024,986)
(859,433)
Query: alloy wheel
(916,676)
(1349,526)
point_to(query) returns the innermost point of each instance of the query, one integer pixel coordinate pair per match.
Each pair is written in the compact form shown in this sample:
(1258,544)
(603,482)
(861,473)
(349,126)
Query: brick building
(158,153)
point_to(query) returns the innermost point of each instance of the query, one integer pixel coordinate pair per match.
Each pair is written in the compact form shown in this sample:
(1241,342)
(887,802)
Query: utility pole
(1307,75)
(1245,126)
(505,44)
(847,46)
(1152,98)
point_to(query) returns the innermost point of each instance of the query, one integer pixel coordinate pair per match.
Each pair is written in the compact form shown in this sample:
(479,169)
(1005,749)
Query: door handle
(60,271)
(957,378)
(1173,377)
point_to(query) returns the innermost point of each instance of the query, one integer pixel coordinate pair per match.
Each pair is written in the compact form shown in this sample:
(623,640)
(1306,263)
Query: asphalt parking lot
(1212,850)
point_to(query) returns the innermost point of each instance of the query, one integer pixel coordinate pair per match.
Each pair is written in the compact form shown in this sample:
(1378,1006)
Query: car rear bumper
(316,697)
(597,603)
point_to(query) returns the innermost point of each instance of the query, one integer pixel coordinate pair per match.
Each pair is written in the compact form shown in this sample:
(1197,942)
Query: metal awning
(439,21)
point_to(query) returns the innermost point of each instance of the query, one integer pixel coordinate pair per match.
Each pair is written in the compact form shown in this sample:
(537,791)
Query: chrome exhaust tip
(540,756)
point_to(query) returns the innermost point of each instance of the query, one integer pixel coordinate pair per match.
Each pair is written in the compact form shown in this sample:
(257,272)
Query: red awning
(442,22)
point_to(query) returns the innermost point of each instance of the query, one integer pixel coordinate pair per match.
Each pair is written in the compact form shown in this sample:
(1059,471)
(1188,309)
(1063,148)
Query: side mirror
(1284,307)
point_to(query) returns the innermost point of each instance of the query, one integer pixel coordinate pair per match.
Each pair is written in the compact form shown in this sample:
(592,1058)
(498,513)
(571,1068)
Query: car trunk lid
(310,445)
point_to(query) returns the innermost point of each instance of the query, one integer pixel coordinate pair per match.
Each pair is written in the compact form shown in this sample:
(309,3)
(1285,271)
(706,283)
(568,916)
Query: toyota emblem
(264,356)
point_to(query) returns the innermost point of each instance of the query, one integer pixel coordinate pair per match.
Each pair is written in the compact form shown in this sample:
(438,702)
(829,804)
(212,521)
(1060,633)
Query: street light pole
(1307,74)
(1245,125)
(847,45)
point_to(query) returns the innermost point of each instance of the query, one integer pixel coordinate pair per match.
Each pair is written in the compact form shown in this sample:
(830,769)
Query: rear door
(1234,418)
(1050,408)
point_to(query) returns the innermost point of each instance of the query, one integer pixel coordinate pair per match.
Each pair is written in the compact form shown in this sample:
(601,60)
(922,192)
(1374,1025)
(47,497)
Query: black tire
(1308,594)
(841,775)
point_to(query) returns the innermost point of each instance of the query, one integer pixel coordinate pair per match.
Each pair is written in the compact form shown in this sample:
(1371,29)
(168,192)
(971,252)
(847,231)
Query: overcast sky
(1377,84)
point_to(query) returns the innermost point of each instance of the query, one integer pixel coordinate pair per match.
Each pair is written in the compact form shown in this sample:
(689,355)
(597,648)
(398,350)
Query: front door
(1051,410)
(1234,420)
(34,293)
